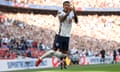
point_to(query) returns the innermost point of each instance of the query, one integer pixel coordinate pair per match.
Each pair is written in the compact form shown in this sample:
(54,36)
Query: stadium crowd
(30,35)
(77,3)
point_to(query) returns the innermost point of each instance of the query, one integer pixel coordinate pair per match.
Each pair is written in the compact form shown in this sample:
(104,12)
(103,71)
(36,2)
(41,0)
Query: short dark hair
(65,2)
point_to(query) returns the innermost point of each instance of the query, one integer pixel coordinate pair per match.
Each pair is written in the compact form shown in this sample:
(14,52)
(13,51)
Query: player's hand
(70,9)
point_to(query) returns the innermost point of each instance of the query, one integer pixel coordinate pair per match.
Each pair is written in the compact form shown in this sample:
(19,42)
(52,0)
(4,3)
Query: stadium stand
(77,3)
(93,31)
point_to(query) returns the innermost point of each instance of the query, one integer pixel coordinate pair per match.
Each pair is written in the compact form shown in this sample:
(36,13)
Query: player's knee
(51,51)
(58,52)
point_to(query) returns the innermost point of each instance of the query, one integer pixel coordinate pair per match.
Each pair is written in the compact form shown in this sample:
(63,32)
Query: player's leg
(59,54)
(64,61)
(47,53)
(43,56)
(51,52)
(64,49)
(103,58)
(61,63)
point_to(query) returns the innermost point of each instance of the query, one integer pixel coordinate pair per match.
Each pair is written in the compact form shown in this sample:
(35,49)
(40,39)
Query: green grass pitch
(78,68)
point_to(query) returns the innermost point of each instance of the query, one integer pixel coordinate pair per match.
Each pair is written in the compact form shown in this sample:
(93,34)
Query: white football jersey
(66,24)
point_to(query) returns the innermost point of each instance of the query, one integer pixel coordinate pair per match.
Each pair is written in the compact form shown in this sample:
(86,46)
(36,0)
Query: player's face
(66,6)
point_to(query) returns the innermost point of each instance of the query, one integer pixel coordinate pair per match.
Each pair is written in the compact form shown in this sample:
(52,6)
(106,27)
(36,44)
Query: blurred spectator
(119,51)
(0,41)
(2,18)
(102,52)
(114,56)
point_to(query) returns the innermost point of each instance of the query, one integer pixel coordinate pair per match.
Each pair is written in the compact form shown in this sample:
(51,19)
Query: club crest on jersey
(57,44)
